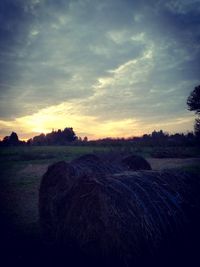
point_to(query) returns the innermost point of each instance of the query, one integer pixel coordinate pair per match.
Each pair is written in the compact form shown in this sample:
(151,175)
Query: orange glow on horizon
(71,115)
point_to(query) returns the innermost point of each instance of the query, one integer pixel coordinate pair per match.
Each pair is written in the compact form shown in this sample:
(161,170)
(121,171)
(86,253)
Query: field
(21,169)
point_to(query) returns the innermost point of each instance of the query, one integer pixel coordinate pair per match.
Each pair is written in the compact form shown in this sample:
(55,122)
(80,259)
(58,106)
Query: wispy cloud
(113,61)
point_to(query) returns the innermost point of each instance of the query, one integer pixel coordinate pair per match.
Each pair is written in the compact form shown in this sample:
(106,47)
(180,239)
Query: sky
(108,68)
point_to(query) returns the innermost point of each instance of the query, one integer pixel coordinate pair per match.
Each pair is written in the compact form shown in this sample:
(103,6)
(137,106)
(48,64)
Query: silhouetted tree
(193,103)
(5,140)
(85,139)
(54,138)
(69,134)
(11,140)
(158,137)
(197,127)
(193,100)
(39,140)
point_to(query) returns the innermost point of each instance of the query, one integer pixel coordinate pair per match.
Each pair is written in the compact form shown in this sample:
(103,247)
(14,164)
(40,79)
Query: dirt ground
(170,163)
(156,164)
(34,169)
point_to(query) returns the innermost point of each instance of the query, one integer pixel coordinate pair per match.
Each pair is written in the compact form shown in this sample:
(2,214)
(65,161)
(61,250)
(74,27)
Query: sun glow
(72,115)
(38,123)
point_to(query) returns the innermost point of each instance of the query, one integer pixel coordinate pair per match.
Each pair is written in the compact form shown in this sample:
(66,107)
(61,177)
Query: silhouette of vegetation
(68,137)
(193,103)
(12,140)
(193,100)
(197,128)
(155,139)
(54,138)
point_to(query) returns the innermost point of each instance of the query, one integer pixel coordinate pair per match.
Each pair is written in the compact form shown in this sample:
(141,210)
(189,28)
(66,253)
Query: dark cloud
(120,58)
(15,19)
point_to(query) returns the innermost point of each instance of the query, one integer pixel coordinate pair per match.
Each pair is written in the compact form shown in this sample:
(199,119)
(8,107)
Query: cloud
(115,60)
(70,114)
(133,89)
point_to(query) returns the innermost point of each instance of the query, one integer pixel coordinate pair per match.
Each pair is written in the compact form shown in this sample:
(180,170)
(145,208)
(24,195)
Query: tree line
(68,136)
(54,138)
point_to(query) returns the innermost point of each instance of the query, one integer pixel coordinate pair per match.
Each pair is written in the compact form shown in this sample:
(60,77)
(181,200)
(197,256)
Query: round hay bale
(58,180)
(136,163)
(90,163)
(109,162)
(116,220)
(87,158)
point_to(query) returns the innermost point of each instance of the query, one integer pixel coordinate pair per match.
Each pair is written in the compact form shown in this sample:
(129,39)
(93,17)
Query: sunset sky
(106,68)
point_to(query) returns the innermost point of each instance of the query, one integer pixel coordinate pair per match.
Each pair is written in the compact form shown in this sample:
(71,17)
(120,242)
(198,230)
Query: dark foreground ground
(21,170)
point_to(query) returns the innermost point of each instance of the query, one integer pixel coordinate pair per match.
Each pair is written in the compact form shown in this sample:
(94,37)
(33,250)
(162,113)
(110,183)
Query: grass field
(21,169)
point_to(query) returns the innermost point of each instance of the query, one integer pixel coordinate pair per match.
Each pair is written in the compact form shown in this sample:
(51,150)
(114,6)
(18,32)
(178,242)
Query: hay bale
(110,162)
(89,164)
(87,158)
(119,219)
(122,161)
(57,181)
(136,163)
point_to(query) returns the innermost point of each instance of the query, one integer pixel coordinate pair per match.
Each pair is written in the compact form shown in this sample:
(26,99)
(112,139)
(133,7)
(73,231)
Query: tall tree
(11,140)
(197,127)
(193,103)
(193,100)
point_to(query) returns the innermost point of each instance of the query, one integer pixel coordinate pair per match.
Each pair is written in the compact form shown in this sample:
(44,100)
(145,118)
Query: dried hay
(135,163)
(115,219)
(110,163)
(89,163)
